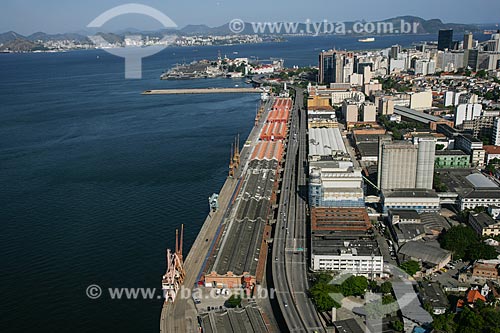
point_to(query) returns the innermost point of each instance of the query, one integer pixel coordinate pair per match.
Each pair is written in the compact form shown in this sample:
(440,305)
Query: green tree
(411,267)
(479,250)
(233,301)
(481,74)
(386,287)
(469,322)
(457,239)
(354,286)
(388,299)
(491,320)
(320,293)
(397,325)
(445,323)
(373,286)
(321,290)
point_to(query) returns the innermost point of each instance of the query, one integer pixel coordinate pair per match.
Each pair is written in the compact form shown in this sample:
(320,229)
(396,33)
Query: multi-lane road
(290,259)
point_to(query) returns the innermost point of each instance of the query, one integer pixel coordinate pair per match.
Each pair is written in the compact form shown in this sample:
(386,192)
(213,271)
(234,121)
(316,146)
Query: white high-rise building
(467,112)
(496,132)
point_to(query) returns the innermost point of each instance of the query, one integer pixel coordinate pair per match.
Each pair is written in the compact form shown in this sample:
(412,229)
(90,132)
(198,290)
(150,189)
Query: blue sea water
(94,177)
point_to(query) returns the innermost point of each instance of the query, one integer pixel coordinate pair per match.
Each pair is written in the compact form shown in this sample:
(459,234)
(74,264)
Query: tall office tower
(395,50)
(445,39)
(397,165)
(331,67)
(468,40)
(425,162)
(471,59)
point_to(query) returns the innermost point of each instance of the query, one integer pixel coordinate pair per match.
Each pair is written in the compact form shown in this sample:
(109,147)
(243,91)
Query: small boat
(366,40)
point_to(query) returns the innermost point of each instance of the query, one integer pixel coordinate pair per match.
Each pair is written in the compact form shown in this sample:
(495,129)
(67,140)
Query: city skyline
(57,16)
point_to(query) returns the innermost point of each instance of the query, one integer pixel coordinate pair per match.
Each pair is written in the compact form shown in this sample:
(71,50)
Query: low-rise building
(430,255)
(450,159)
(473,147)
(470,188)
(492,152)
(349,326)
(336,188)
(354,256)
(404,216)
(420,200)
(485,270)
(484,225)
(432,294)
(340,219)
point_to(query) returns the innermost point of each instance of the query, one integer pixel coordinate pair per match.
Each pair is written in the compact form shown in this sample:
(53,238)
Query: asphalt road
(290,241)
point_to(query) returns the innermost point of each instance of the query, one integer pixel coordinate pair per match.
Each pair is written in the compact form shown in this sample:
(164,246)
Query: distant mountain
(21,42)
(111,38)
(424,26)
(192,29)
(432,26)
(56,37)
(21,45)
(9,37)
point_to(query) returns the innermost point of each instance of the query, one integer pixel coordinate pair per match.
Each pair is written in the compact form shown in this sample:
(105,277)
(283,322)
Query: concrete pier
(203,91)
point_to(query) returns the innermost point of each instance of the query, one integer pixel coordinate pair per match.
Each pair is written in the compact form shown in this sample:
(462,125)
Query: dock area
(181,316)
(242,90)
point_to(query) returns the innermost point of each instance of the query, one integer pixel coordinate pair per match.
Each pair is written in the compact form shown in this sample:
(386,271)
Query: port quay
(203,91)
(232,246)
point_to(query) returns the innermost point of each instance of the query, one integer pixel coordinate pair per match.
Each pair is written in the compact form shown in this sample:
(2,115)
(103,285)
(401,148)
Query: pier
(203,91)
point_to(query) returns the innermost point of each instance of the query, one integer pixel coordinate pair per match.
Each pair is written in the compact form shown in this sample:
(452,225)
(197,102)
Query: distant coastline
(197,35)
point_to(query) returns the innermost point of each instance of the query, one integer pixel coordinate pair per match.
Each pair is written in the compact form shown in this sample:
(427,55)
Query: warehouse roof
(348,326)
(268,150)
(340,219)
(403,214)
(368,149)
(333,243)
(410,193)
(450,153)
(432,293)
(248,319)
(429,252)
(483,219)
(239,249)
(325,141)
(416,115)
(480,180)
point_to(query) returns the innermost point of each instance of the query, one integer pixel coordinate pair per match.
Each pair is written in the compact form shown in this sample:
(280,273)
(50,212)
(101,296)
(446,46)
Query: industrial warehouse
(239,255)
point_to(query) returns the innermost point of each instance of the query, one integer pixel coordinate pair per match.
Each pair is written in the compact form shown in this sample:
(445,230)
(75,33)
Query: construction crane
(174,277)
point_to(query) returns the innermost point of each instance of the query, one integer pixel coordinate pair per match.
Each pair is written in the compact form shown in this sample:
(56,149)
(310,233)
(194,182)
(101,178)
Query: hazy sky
(52,16)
